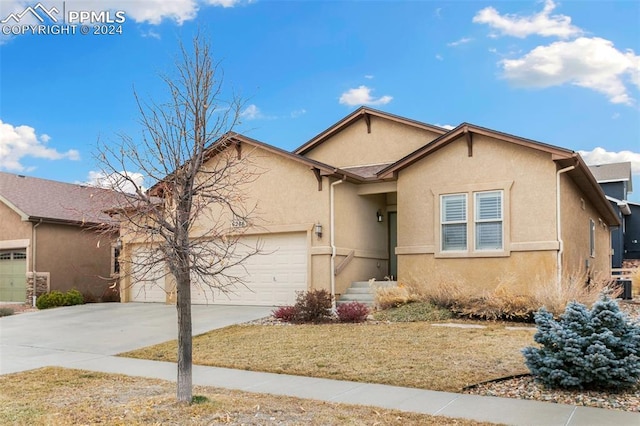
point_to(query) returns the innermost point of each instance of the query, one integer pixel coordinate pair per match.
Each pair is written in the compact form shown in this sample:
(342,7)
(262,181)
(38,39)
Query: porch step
(363,292)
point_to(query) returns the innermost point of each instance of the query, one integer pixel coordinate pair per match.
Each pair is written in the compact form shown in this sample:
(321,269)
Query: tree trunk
(185,350)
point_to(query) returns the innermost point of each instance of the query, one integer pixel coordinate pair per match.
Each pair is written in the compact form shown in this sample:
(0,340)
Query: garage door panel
(272,277)
(13,269)
(147,285)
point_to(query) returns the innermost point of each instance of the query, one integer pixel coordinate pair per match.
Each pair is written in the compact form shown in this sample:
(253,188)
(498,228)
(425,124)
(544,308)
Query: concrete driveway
(62,336)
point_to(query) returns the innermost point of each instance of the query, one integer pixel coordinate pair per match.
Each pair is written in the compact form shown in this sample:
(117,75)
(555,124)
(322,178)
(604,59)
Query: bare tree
(188,225)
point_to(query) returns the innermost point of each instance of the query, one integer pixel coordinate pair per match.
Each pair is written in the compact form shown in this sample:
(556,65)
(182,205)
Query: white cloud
(18,142)
(297,113)
(369,77)
(362,96)
(122,181)
(151,34)
(593,63)
(439,57)
(251,112)
(542,23)
(445,126)
(463,40)
(602,156)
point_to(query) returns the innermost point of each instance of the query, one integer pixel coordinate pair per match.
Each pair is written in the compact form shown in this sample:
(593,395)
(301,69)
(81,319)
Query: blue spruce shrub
(593,349)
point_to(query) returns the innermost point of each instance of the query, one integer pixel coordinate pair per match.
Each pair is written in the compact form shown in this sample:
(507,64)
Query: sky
(565,73)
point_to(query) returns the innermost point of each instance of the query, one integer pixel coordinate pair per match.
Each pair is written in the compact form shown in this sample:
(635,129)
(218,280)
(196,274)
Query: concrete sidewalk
(53,338)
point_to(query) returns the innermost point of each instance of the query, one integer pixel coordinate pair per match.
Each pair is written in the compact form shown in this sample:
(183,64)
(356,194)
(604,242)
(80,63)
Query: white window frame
(592,238)
(478,220)
(444,223)
(504,187)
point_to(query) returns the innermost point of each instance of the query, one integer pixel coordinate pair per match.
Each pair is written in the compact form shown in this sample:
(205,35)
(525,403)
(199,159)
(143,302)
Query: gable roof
(36,199)
(355,116)
(613,172)
(467,130)
(231,138)
(562,156)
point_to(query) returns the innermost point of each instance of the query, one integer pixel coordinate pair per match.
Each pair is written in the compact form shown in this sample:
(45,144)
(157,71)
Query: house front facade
(381,196)
(50,233)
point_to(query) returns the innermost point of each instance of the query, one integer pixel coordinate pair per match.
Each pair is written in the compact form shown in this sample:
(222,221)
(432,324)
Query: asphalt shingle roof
(613,172)
(55,201)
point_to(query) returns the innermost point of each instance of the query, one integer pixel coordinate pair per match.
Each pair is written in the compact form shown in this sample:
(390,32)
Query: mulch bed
(525,387)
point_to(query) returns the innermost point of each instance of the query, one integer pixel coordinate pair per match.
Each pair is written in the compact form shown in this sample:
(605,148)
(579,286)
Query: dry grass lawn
(403,354)
(56,396)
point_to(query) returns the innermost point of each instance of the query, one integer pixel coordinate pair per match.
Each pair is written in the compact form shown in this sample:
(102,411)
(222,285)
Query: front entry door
(393,242)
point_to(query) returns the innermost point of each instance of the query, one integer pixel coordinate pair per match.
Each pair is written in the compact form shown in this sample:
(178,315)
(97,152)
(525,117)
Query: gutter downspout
(33,264)
(559,225)
(333,242)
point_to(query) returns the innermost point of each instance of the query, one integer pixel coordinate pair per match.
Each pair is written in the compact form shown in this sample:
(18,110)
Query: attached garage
(272,277)
(146,285)
(13,269)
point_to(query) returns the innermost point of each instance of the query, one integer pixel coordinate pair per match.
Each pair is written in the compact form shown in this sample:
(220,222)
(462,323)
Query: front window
(488,220)
(454,222)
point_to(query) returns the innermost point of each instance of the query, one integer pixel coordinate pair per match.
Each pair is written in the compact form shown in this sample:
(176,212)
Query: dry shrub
(502,303)
(573,287)
(391,297)
(635,282)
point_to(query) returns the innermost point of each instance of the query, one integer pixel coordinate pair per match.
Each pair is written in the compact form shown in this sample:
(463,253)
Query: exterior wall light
(379,216)
(318,229)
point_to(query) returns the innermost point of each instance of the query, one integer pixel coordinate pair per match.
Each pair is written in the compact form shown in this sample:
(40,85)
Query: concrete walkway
(38,339)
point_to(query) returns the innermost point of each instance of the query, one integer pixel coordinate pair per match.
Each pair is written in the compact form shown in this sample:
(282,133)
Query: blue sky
(564,73)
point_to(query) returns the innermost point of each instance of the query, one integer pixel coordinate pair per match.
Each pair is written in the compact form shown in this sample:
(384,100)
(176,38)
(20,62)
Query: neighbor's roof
(613,172)
(35,199)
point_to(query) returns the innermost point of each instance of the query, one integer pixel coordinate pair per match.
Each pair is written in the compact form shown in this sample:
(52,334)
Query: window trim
(592,238)
(476,221)
(455,222)
(470,189)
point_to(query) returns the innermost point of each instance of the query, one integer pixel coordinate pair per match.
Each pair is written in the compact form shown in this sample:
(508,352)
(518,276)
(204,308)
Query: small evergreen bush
(352,312)
(56,298)
(286,313)
(313,306)
(593,349)
(5,312)
(73,297)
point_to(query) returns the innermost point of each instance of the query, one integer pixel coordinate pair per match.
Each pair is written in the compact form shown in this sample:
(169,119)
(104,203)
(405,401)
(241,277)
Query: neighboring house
(616,182)
(394,197)
(53,230)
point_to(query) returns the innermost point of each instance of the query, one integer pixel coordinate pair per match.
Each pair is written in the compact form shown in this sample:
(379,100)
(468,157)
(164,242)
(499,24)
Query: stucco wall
(11,226)
(388,142)
(72,257)
(576,215)
(285,197)
(526,176)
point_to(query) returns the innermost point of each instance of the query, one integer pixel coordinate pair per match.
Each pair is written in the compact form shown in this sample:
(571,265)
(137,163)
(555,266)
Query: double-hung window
(454,222)
(472,222)
(488,220)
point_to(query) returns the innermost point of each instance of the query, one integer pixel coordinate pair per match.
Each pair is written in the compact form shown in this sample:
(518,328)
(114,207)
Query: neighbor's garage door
(13,278)
(272,277)
(147,285)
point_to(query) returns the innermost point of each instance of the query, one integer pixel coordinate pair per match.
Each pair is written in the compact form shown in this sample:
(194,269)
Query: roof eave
(354,116)
(23,216)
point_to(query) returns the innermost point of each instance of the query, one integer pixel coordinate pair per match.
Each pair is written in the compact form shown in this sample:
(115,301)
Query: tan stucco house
(53,230)
(378,195)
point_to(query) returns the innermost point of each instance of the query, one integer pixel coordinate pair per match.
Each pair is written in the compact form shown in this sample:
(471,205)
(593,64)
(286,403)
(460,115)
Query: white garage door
(146,285)
(272,278)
